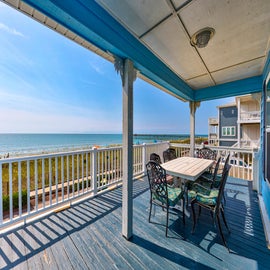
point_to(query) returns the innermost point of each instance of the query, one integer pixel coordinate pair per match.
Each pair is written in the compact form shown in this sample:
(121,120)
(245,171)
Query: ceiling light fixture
(201,38)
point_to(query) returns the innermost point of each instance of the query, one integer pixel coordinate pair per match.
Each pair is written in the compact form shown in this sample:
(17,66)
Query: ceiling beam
(266,69)
(230,89)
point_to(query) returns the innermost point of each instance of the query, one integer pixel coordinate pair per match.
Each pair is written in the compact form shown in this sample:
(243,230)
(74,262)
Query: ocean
(24,144)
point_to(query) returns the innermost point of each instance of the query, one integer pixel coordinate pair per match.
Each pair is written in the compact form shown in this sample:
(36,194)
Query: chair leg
(150,211)
(167,221)
(183,211)
(224,220)
(224,198)
(200,210)
(193,216)
(221,233)
(212,215)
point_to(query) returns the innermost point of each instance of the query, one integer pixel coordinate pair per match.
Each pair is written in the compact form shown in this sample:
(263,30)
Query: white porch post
(128,75)
(238,122)
(192,106)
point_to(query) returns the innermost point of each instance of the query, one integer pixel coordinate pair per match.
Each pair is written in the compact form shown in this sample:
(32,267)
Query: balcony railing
(212,121)
(250,116)
(33,185)
(244,165)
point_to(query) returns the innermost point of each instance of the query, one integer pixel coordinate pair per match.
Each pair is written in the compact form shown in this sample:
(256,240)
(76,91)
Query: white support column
(192,106)
(128,75)
(238,122)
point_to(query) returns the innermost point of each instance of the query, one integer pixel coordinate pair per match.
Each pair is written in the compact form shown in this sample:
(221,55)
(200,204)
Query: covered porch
(88,236)
(162,49)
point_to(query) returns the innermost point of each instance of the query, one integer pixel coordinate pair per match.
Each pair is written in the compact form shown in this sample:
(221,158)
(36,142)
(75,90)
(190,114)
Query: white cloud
(10,30)
(98,64)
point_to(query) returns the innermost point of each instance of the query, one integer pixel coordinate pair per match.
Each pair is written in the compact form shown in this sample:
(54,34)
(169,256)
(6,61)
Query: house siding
(228,118)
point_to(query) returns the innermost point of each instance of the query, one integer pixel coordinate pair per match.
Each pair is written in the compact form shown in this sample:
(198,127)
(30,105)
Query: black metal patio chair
(206,153)
(169,154)
(211,199)
(155,157)
(161,194)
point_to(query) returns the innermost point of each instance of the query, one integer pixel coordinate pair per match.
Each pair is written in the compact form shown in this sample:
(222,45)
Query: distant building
(238,123)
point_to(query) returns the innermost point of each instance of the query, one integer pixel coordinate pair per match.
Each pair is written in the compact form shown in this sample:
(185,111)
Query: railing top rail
(218,148)
(256,111)
(68,153)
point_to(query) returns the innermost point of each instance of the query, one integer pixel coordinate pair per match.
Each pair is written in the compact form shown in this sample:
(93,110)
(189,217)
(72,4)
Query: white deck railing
(33,185)
(250,116)
(242,160)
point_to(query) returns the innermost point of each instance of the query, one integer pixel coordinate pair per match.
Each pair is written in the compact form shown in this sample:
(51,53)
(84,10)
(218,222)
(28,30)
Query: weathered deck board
(88,236)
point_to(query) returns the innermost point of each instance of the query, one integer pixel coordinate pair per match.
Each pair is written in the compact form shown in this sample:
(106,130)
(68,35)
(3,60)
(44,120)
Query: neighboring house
(238,124)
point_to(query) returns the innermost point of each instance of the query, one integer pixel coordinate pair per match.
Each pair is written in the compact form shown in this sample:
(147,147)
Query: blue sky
(49,84)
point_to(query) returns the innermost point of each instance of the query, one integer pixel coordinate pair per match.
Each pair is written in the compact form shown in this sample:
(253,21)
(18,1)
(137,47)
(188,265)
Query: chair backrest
(169,154)
(216,169)
(157,182)
(155,157)
(223,180)
(227,160)
(206,153)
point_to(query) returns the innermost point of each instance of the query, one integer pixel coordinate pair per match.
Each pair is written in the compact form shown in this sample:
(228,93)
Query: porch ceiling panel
(135,15)
(169,47)
(204,81)
(241,31)
(241,71)
(155,35)
(241,36)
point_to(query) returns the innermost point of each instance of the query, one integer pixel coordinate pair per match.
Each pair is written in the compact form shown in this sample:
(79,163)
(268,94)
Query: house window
(228,131)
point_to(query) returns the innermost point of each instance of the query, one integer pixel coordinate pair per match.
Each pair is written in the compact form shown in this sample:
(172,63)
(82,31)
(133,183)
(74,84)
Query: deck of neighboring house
(88,236)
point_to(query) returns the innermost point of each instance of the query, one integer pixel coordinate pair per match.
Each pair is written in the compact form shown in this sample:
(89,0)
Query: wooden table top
(189,168)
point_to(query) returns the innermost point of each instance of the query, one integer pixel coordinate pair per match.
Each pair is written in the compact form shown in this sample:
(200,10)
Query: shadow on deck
(88,236)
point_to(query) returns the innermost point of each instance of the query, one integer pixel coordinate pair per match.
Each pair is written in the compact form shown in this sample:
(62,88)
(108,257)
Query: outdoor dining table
(187,168)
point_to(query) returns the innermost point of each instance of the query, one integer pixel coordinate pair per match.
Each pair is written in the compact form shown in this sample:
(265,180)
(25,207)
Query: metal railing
(33,185)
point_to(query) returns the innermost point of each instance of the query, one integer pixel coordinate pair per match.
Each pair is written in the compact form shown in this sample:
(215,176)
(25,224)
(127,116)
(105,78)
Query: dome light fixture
(201,38)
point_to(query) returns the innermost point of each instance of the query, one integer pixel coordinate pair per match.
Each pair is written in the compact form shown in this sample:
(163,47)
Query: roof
(227,105)
(156,34)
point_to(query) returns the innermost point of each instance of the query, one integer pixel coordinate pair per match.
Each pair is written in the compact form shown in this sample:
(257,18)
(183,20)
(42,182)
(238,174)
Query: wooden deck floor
(88,236)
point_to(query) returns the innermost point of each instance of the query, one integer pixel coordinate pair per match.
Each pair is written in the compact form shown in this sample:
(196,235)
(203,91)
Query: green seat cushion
(203,194)
(174,195)
(209,198)
(192,193)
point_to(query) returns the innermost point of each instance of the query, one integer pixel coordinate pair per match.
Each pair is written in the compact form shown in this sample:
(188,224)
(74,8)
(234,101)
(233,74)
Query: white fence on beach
(34,185)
